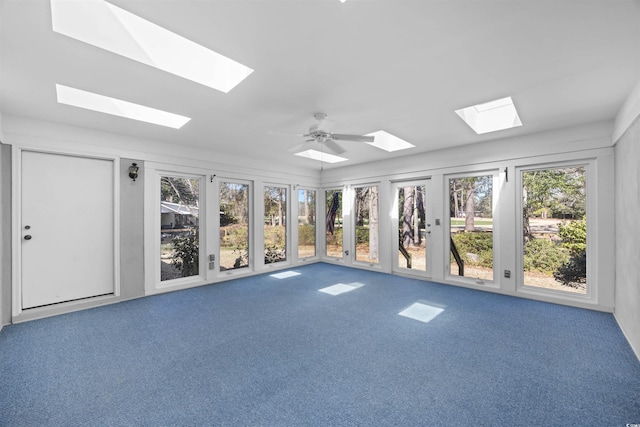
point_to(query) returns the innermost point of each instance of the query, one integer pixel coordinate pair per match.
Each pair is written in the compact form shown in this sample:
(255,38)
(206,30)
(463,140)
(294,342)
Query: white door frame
(16,215)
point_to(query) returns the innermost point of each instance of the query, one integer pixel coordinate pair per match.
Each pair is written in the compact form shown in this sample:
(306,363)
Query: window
(366,214)
(334,223)
(234,225)
(179,227)
(471,226)
(554,228)
(275,224)
(306,223)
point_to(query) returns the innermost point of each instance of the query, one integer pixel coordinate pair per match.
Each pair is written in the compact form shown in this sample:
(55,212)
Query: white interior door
(67,226)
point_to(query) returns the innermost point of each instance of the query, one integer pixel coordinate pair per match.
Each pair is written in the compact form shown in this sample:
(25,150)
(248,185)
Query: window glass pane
(179,242)
(334,223)
(555,229)
(366,214)
(306,223)
(471,222)
(234,225)
(412,251)
(275,224)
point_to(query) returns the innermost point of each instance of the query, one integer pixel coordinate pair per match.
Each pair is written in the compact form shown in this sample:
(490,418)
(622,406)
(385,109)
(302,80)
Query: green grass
(458,222)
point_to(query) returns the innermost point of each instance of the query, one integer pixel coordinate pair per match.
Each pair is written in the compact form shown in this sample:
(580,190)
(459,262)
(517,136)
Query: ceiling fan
(320,133)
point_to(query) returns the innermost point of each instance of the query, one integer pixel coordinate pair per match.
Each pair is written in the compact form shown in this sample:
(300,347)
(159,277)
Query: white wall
(627,208)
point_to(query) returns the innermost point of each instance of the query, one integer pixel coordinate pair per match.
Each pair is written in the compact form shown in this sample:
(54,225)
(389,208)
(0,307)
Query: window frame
(495,212)
(353,237)
(591,214)
(295,235)
(219,273)
(288,226)
(152,183)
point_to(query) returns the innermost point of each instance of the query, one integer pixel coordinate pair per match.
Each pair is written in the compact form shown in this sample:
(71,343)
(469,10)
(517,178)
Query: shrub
(362,235)
(274,236)
(234,235)
(274,254)
(574,272)
(306,234)
(543,255)
(479,244)
(574,236)
(335,238)
(186,251)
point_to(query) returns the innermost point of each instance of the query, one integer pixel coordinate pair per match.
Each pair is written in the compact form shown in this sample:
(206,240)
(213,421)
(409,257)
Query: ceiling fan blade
(302,147)
(275,132)
(333,147)
(357,138)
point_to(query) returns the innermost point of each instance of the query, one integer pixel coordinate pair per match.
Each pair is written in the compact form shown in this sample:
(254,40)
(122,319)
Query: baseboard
(635,350)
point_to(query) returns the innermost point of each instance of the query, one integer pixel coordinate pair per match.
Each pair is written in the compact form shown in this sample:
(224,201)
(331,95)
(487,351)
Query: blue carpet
(269,351)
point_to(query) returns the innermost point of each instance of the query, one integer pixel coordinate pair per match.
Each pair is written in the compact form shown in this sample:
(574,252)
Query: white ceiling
(399,66)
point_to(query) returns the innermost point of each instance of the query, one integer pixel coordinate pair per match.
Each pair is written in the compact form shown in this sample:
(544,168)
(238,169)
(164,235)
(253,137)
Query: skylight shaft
(117,107)
(109,27)
(491,116)
(385,141)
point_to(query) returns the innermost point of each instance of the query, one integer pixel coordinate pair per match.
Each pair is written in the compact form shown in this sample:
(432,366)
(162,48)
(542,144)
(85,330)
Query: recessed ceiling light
(117,107)
(320,156)
(109,27)
(386,141)
(491,116)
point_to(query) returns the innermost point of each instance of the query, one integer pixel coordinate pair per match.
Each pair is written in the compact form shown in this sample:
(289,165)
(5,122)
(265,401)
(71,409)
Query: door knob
(27,237)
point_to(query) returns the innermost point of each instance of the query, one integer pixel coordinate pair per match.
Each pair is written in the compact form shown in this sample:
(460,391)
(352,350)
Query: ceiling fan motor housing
(319,128)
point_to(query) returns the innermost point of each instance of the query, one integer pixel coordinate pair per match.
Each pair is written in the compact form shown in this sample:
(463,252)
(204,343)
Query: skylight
(320,156)
(491,116)
(388,142)
(109,27)
(104,104)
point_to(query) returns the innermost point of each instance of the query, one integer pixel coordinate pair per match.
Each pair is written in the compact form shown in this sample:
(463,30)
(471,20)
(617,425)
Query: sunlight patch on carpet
(285,274)
(341,288)
(422,312)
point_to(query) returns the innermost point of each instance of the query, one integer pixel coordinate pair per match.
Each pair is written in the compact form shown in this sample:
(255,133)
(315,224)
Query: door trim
(16,215)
